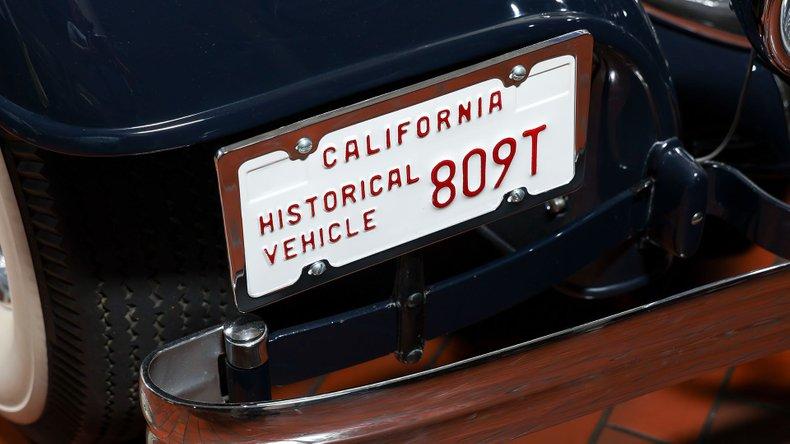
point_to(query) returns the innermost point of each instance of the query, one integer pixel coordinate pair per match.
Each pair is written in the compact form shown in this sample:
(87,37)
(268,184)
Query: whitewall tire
(23,348)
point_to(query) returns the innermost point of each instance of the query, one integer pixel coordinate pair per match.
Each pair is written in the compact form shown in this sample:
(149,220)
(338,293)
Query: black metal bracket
(762,218)
(686,191)
(678,204)
(310,349)
(409,296)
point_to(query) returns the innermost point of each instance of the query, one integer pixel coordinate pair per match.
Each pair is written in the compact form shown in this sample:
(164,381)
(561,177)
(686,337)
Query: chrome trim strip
(228,159)
(696,24)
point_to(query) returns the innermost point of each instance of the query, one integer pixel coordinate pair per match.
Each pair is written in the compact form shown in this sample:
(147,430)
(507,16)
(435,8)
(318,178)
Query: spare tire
(106,259)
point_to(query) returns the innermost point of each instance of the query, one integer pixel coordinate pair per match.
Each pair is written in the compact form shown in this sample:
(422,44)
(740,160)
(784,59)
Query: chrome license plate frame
(230,160)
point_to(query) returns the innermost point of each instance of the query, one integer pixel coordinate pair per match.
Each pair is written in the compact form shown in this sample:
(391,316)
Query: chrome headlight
(784,23)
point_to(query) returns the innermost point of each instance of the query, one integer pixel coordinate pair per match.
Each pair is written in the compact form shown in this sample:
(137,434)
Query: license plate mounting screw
(316,268)
(304,145)
(518,73)
(516,195)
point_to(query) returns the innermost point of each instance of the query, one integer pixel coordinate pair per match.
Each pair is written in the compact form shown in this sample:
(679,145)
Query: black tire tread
(129,255)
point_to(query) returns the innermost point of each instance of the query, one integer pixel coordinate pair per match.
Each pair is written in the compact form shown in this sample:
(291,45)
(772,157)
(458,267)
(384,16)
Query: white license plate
(379,183)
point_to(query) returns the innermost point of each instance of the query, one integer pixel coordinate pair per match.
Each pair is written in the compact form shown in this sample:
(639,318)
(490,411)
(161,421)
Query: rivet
(316,268)
(304,145)
(516,195)
(697,218)
(557,205)
(415,300)
(518,73)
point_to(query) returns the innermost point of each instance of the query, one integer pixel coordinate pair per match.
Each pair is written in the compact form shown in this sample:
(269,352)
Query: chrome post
(247,359)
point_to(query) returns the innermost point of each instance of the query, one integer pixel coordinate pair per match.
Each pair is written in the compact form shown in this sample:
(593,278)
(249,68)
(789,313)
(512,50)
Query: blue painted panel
(124,76)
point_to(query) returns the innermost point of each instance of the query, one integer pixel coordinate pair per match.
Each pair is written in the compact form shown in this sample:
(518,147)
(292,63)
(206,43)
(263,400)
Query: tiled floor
(746,404)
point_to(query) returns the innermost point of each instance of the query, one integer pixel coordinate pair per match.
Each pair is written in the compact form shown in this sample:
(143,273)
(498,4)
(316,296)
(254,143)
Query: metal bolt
(642,186)
(557,205)
(516,195)
(415,300)
(245,341)
(304,145)
(697,218)
(518,73)
(413,356)
(316,268)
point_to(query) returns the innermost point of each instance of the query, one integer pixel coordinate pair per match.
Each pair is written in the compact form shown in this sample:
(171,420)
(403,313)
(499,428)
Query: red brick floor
(745,404)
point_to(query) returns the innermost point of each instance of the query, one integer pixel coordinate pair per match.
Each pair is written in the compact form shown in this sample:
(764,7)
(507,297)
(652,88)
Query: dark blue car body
(106,78)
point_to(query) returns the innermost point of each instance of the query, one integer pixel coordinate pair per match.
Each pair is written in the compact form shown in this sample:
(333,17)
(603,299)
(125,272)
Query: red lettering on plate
(367,219)
(443,183)
(481,154)
(295,216)
(327,163)
(423,126)
(288,248)
(394,178)
(389,139)
(465,112)
(373,191)
(352,150)
(327,207)
(350,233)
(333,239)
(264,223)
(442,117)
(534,134)
(495,101)
(505,161)
(311,201)
(479,107)
(310,242)
(369,148)
(271,256)
(402,130)
(347,191)
(409,179)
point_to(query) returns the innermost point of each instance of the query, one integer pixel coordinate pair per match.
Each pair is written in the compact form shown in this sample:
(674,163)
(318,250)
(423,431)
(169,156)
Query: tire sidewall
(25,383)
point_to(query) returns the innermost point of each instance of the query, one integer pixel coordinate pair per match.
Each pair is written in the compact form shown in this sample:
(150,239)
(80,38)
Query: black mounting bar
(762,218)
(456,303)
(409,296)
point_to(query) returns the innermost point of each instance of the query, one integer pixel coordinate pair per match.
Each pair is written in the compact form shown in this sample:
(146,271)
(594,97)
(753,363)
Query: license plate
(333,194)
